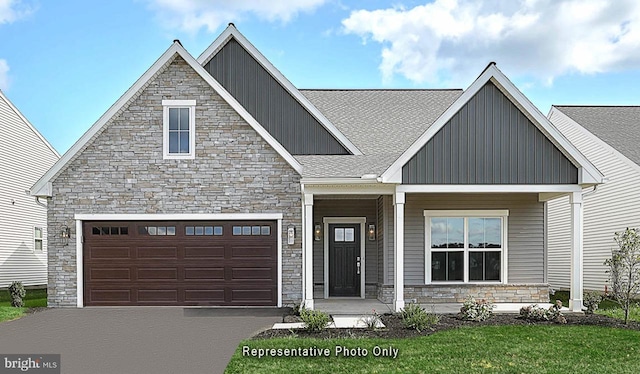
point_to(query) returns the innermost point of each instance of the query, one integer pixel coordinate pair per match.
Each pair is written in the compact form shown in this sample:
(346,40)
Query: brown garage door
(180,263)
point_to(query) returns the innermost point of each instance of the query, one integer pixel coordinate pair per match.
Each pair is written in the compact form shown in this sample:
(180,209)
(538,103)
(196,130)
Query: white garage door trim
(169,217)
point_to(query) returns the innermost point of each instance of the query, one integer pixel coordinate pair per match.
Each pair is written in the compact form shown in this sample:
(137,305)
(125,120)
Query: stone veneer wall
(122,170)
(434,294)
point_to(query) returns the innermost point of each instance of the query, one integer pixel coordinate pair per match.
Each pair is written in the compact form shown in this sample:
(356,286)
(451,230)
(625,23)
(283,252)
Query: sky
(63,63)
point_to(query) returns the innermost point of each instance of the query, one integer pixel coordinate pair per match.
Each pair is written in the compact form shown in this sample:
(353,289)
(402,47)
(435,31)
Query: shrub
(624,269)
(416,317)
(314,320)
(473,310)
(536,313)
(17,292)
(591,301)
(372,320)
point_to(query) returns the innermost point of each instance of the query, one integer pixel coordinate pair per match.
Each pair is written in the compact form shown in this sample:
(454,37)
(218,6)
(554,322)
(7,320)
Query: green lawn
(564,296)
(499,349)
(34,298)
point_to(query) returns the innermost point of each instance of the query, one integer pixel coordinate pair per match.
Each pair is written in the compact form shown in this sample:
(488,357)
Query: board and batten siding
(525,232)
(613,207)
(24,158)
(270,103)
(345,208)
(489,141)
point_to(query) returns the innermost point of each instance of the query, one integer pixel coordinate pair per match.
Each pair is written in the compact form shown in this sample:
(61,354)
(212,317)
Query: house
(215,181)
(609,137)
(24,157)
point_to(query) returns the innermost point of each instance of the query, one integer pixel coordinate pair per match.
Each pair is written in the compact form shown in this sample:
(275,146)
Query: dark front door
(344,260)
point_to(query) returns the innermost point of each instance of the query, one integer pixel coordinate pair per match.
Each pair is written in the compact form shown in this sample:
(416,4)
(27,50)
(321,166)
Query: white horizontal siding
(24,158)
(613,207)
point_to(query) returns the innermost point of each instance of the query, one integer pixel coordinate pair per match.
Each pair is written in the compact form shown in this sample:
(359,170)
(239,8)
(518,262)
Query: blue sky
(64,63)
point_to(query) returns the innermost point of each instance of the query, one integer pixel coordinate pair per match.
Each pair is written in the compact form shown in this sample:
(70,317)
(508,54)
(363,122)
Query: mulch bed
(394,328)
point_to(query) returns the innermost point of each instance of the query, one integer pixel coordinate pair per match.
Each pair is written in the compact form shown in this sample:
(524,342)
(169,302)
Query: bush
(591,301)
(314,320)
(371,321)
(416,317)
(17,292)
(473,310)
(536,313)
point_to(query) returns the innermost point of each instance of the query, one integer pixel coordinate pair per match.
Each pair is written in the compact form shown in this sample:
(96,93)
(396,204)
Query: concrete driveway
(136,340)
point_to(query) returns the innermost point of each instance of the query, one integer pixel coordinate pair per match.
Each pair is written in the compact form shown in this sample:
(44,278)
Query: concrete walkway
(136,340)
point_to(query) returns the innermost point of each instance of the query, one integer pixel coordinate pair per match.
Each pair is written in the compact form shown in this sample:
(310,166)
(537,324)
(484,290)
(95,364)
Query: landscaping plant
(624,266)
(416,317)
(474,310)
(536,313)
(17,292)
(371,321)
(314,320)
(592,300)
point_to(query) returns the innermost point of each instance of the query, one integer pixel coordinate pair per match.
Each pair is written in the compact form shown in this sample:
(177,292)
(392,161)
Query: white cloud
(192,15)
(451,41)
(13,10)
(4,74)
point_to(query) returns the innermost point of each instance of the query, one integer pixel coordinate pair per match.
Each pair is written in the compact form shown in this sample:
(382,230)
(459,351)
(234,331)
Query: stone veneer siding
(122,170)
(435,294)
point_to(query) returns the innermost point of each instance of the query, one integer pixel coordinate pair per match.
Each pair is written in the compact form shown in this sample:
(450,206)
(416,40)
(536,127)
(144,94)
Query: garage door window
(203,230)
(157,230)
(252,230)
(110,230)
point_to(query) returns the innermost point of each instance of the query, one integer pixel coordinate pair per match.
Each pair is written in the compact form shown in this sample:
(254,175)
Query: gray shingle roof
(381,123)
(618,126)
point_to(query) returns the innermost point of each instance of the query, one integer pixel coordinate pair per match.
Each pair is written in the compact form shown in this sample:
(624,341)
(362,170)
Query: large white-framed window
(37,239)
(466,246)
(178,129)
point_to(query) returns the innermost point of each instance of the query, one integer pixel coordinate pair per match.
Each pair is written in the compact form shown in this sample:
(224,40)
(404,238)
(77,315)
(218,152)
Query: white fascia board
(26,121)
(180,217)
(488,188)
(230,32)
(591,175)
(355,189)
(39,187)
(338,181)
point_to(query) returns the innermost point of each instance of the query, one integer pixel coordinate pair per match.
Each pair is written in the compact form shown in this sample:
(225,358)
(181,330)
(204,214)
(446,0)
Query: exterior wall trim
(232,32)
(360,220)
(181,217)
(478,188)
(587,172)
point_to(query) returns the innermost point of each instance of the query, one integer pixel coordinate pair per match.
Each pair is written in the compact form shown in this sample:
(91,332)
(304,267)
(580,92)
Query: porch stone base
(436,294)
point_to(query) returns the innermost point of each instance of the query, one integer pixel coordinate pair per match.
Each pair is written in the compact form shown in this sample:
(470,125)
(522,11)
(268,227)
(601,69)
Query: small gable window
(178,129)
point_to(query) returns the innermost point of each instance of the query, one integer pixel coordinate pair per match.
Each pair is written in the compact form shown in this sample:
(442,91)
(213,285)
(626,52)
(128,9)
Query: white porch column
(575,297)
(398,251)
(307,251)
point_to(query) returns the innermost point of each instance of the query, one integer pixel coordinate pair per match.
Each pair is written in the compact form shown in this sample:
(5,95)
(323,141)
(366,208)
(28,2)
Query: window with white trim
(37,238)
(465,246)
(178,127)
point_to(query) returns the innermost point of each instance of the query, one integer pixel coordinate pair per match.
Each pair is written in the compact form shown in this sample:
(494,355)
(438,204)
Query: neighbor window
(179,128)
(37,236)
(465,246)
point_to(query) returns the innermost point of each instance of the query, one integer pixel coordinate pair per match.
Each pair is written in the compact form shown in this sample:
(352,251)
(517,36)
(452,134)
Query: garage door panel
(110,252)
(159,263)
(252,273)
(157,252)
(216,273)
(157,273)
(104,274)
(209,252)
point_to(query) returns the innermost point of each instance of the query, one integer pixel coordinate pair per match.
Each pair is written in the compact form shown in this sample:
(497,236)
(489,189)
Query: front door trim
(350,220)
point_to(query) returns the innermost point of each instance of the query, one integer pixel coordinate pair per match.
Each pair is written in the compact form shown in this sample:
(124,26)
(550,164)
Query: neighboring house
(24,157)
(609,136)
(217,182)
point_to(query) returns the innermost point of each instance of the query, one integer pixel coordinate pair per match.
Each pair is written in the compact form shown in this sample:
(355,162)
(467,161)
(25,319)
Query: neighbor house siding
(346,208)
(489,141)
(24,158)
(614,206)
(270,103)
(122,170)
(525,231)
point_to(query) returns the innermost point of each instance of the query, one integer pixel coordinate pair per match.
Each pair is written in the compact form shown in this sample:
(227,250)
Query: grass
(34,298)
(564,297)
(634,313)
(499,349)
